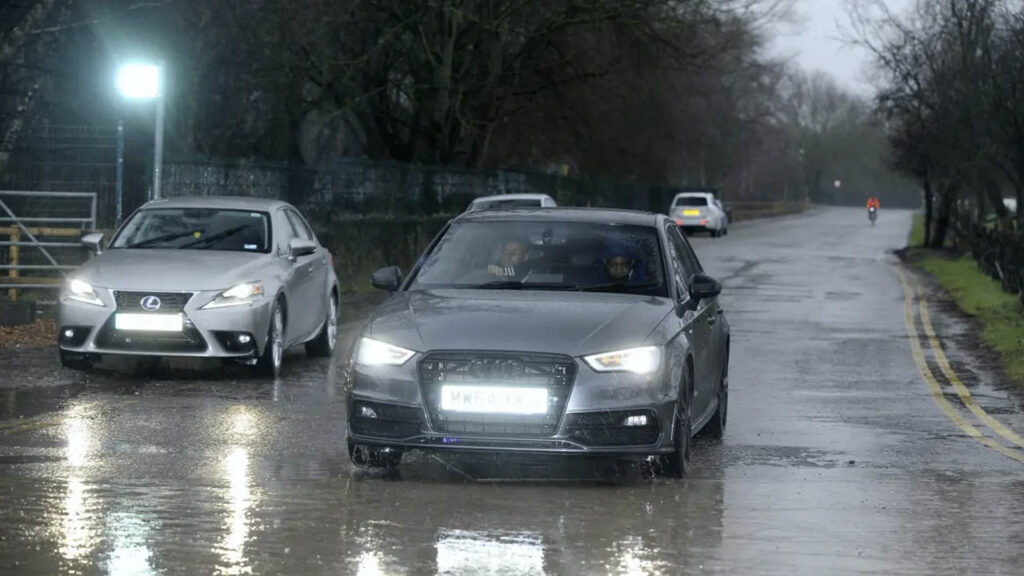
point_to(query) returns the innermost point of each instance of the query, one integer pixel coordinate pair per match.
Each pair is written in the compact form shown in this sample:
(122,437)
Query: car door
(714,319)
(696,319)
(310,279)
(701,318)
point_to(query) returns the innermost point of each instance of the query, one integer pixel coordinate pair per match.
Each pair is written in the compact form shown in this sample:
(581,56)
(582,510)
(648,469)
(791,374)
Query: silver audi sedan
(556,330)
(211,277)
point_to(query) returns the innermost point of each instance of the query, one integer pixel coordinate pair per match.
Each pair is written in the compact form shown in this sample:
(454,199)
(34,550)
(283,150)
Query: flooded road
(839,456)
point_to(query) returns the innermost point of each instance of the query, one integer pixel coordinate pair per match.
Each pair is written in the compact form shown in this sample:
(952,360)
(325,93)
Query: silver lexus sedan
(212,277)
(556,330)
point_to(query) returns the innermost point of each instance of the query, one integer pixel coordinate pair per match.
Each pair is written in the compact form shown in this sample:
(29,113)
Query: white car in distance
(700,211)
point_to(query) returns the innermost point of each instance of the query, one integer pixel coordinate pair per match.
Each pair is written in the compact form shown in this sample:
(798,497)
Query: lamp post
(145,82)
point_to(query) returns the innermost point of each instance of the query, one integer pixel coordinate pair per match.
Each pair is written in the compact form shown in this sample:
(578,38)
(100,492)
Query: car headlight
(376,353)
(238,295)
(83,292)
(644,360)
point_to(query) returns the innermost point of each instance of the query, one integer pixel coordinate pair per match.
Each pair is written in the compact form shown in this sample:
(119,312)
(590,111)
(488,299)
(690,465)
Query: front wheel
(269,363)
(675,464)
(323,345)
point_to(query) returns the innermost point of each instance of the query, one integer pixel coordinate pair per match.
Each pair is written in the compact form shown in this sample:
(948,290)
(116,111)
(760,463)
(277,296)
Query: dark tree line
(663,91)
(953,102)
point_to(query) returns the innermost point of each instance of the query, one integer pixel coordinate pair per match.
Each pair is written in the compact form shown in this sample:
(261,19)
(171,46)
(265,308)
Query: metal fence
(1000,253)
(41,232)
(365,188)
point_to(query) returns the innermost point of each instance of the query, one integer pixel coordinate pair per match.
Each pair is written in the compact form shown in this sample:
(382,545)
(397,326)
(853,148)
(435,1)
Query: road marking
(20,422)
(933,384)
(958,385)
(30,426)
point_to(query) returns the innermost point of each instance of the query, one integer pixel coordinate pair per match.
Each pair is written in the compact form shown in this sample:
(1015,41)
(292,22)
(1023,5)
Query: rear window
(501,204)
(692,201)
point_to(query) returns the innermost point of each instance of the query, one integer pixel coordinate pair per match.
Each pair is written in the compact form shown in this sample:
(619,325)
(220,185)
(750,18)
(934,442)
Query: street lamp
(145,82)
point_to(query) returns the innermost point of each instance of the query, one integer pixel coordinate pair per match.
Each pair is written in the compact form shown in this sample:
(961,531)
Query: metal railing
(40,232)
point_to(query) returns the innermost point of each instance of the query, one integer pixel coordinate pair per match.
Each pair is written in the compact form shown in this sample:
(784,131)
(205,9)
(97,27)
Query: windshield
(546,256)
(500,204)
(691,201)
(196,229)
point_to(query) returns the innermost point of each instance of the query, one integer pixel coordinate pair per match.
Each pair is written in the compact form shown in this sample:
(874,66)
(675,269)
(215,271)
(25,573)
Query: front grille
(170,302)
(188,340)
(554,372)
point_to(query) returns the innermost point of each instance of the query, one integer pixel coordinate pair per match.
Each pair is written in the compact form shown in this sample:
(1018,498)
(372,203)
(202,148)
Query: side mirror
(93,242)
(300,247)
(703,287)
(389,278)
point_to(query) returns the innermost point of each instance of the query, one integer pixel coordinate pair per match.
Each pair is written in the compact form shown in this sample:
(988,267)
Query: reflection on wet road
(836,460)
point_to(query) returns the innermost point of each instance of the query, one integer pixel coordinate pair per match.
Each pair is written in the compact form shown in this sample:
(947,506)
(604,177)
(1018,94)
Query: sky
(815,42)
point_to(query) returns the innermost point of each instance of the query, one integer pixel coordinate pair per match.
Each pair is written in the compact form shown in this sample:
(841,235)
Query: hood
(174,270)
(572,323)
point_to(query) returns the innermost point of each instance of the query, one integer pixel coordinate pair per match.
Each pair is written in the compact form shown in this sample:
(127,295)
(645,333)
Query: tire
(323,345)
(76,361)
(674,465)
(269,363)
(716,427)
(366,457)
(714,233)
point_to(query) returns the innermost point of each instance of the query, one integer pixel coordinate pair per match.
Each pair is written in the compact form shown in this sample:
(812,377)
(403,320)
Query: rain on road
(849,450)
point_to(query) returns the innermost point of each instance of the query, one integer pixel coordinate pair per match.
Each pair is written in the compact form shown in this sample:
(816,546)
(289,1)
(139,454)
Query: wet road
(849,450)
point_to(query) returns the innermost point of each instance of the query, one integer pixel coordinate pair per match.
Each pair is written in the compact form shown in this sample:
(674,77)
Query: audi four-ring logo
(151,303)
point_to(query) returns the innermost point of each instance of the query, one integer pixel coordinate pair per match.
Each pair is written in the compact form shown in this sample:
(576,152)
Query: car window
(285,232)
(501,204)
(546,255)
(196,229)
(299,226)
(691,201)
(689,256)
(680,271)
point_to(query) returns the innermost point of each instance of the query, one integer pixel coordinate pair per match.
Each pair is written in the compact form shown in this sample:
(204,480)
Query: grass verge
(1001,314)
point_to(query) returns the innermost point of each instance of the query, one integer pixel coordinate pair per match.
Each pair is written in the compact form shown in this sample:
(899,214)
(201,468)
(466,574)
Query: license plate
(494,400)
(691,212)
(149,322)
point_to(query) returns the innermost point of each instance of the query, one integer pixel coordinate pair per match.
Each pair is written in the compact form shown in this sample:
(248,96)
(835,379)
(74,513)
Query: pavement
(867,434)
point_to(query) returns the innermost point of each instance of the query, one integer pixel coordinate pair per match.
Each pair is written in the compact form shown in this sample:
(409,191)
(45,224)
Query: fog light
(244,339)
(703,222)
(69,333)
(636,421)
(367,412)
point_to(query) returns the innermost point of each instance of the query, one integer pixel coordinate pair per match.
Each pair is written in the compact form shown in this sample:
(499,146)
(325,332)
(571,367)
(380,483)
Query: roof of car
(566,214)
(511,197)
(223,202)
(696,193)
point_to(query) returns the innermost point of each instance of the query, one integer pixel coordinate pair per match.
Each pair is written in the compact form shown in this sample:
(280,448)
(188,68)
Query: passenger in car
(620,264)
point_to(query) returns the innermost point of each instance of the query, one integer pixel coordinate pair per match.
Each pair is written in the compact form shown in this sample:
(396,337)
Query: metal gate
(41,232)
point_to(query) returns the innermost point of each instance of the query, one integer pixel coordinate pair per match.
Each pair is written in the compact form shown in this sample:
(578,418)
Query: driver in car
(621,264)
(512,264)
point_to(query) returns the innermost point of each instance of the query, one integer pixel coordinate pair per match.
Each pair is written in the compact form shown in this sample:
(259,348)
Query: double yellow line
(947,370)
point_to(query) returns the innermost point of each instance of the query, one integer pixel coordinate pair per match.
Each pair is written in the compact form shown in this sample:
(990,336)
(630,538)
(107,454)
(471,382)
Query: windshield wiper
(210,240)
(156,240)
(520,285)
(619,286)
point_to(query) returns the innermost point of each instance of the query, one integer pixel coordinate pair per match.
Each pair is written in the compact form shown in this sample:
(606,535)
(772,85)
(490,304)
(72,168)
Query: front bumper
(214,333)
(386,408)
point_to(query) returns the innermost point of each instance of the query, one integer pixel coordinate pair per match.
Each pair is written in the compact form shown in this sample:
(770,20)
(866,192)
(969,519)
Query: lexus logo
(151,303)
